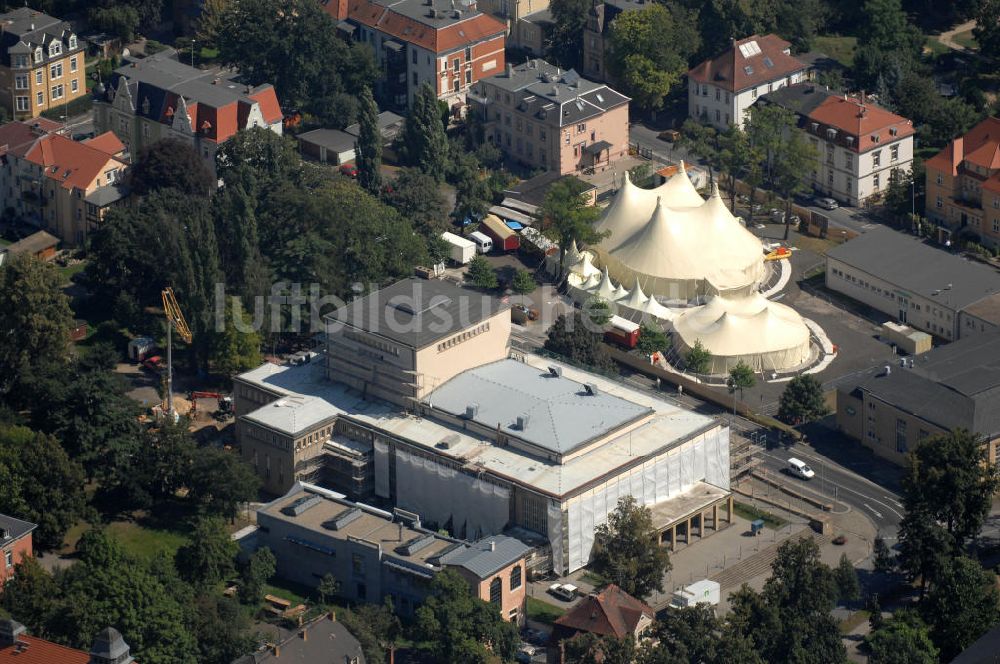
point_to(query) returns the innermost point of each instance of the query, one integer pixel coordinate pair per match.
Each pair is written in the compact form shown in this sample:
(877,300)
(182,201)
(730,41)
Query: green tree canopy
(627,550)
(569,17)
(961,606)
(417,197)
(35,317)
(170,163)
(649,50)
(574,337)
(460,627)
(369,144)
(220,481)
(255,573)
(481,273)
(802,400)
(41,484)
(423,143)
(210,556)
(902,639)
(740,377)
(566,216)
(698,359)
(523,283)
(293,45)
(846,577)
(652,338)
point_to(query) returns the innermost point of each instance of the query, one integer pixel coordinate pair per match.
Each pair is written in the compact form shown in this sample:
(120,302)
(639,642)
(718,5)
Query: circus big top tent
(766,335)
(676,245)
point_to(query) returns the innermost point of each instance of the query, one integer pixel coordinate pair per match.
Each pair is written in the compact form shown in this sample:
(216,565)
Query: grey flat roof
(417,10)
(107,195)
(16,528)
(955,385)
(387,120)
(417,312)
(911,265)
(561,415)
(331,139)
(487,556)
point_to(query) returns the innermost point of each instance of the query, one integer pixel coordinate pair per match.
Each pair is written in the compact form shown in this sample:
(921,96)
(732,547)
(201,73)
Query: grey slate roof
(956,385)
(15,528)
(331,139)
(24,29)
(487,556)
(561,416)
(388,122)
(107,195)
(417,312)
(329,642)
(801,98)
(556,96)
(911,265)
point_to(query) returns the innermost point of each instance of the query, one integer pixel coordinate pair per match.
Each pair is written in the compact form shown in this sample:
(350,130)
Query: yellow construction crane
(175,320)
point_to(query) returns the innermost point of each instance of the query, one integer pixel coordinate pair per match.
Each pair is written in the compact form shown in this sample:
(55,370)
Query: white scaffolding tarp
(705,459)
(474,508)
(381,469)
(555,533)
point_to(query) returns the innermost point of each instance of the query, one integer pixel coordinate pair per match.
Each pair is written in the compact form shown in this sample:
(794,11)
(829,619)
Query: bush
(481,273)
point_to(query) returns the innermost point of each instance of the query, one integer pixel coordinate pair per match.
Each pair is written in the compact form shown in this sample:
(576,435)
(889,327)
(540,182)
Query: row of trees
(788,621)
(168,610)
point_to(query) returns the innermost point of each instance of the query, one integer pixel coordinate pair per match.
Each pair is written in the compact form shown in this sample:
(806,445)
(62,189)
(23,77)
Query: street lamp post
(192,52)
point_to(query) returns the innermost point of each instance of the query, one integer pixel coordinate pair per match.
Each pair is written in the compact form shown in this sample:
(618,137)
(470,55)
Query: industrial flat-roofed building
(442,420)
(890,409)
(924,287)
(375,554)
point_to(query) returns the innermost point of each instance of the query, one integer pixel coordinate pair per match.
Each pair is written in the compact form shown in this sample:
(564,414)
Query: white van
(800,469)
(484,244)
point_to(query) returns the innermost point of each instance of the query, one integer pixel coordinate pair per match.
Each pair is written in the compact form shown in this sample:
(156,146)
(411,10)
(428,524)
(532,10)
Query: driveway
(948,36)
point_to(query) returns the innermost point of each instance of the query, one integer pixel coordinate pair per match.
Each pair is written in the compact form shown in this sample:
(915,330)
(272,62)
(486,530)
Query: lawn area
(293,592)
(840,49)
(751,513)
(967,40)
(935,47)
(818,245)
(70,270)
(543,611)
(852,622)
(139,540)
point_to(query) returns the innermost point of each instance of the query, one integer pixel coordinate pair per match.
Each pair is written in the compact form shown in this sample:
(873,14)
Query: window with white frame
(877,158)
(38,54)
(72,41)
(56,71)
(22,104)
(74,85)
(55,48)
(21,82)
(73,63)
(894,152)
(21,60)
(57,92)
(940,179)
(39,76)
(40,98)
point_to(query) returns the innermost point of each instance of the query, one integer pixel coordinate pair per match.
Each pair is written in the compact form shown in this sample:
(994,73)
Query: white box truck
(460,250)
(699,592)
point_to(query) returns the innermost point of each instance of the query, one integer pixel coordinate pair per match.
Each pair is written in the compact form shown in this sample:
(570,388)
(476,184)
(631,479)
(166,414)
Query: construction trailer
(460,250)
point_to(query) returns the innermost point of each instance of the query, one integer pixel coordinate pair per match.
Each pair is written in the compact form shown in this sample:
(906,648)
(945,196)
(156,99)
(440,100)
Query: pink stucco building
(548,118)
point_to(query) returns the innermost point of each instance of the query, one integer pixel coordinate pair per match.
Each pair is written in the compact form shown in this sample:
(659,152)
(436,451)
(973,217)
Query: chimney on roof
(493,545)
(510,70)
(10,632)
(304,634)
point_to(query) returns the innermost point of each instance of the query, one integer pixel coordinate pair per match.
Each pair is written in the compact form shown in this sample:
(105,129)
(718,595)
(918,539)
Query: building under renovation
(418,402)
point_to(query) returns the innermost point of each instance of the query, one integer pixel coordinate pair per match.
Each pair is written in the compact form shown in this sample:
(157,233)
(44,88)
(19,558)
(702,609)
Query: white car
(564,591)
(800,469)
(827,203)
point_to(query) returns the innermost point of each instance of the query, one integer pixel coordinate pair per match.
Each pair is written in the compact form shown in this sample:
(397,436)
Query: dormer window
(72,41)
(55,48)
(814,126)
(38,54)
(831,134)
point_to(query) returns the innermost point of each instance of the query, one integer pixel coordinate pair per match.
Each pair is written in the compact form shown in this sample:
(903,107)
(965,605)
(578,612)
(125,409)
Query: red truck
(503,237)
(622,332)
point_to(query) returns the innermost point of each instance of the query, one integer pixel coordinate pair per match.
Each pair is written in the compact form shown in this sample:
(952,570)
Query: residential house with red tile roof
(448,44)
(963,184)
(15,544)
(721,90)
(17,647)
(158,97)
(612,612)
(58,184)
(858,143)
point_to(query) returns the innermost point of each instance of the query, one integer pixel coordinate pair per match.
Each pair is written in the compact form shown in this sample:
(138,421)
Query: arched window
(515,578)
(496,587)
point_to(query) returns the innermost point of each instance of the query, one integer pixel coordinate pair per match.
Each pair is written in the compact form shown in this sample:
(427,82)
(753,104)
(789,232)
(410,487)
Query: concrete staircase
(757,564)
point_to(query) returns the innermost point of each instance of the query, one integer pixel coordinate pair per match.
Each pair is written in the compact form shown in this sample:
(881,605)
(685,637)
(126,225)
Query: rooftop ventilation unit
(300,505)
(344,518)
(471,411)
(590,389)
(522,422)
(555,371)
(416,544)
(449,441)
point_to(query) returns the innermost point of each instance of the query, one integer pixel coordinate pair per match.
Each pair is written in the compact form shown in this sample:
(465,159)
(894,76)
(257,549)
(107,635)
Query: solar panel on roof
(750,49)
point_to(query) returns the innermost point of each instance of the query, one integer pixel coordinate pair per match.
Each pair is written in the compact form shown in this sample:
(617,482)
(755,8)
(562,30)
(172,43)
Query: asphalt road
(879,503)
